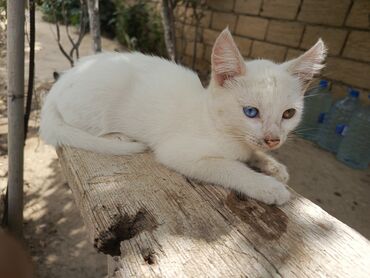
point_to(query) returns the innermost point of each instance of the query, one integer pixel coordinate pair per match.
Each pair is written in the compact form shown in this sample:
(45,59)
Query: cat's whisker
(301,131)
(313,95)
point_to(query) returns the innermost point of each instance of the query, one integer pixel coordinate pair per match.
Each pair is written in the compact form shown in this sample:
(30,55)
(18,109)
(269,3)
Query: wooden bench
(153,222)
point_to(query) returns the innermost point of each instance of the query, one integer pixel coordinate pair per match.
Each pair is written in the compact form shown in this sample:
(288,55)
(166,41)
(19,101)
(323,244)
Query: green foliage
(2,9)
(108,14)
(2,21)
(139,27)
(53,11)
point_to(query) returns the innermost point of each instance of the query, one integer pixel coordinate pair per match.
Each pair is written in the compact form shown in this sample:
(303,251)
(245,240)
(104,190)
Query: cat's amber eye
(289,113)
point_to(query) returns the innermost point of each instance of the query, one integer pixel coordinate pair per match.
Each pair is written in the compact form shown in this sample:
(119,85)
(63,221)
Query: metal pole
(15,60)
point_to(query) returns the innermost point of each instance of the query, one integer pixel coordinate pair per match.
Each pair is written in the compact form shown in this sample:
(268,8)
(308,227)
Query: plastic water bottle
(317,104)
(332,130)
(354,149)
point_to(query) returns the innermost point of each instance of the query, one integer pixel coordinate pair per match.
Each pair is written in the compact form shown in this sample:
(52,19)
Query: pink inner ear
(221,78)
(226,59)
(309,63)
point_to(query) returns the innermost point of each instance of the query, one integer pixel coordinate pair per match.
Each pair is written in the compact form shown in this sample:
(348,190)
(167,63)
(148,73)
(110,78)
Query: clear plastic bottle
(354,149)
(331,131)
(317,104)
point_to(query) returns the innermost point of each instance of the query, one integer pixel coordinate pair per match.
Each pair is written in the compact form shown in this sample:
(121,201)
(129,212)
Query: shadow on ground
(53,228)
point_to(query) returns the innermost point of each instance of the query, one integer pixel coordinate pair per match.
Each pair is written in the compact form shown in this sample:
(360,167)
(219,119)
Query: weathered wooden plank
(160,224)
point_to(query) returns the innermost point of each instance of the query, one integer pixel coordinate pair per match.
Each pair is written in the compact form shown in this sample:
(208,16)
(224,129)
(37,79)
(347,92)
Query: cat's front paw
(276,170)
(138,147)
(272,191)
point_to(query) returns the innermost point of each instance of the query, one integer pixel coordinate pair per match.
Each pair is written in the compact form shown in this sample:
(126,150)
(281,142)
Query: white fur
(199,132)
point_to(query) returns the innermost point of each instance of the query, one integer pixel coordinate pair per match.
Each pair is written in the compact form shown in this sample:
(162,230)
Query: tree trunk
(94,18)
(15,59)
(169,28)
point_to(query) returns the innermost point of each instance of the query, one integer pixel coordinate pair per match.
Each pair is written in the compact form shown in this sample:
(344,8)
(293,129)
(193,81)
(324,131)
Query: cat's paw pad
(273,192)
(277,170)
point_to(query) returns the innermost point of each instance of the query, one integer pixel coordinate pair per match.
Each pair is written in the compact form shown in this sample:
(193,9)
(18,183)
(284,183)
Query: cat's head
(259,102)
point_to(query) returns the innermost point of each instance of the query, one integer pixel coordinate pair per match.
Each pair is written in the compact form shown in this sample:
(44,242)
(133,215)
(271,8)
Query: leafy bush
(2,26)
(108,14)
(53,10)
(2,10)
(139,27)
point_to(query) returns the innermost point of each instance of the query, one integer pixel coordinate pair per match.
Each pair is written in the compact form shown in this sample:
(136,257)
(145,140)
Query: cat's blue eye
(250,112)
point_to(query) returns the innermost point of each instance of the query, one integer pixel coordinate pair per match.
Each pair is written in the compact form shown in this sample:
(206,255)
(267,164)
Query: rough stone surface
(268,51)
(253,27)
(348,71)
(284,9)
(285,28)
(222,20)
(359,15)
(330,12)
(358,46)
(244,45)
(293,53)
(189,50)
(221,5)
(209,36)
(248,6)
(334,38)
(285,32)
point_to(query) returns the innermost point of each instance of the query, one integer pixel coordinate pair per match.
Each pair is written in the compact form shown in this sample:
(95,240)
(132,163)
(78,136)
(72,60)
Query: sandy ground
(54,230)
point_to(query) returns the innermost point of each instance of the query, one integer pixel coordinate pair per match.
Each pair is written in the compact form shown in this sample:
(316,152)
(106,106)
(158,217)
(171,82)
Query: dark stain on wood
(268,221)
(149,256)
(124,228)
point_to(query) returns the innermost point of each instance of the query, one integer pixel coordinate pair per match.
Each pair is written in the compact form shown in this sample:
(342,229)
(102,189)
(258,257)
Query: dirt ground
(53,228)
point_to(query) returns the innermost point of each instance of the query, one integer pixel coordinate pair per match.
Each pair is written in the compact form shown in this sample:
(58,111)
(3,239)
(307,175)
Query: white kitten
(207,134)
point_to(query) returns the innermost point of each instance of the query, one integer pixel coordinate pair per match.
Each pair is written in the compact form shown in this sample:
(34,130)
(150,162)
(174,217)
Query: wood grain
(156,223)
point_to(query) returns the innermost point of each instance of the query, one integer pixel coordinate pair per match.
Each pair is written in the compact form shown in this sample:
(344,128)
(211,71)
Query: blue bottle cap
(341,129)
(354,93)
(323,83)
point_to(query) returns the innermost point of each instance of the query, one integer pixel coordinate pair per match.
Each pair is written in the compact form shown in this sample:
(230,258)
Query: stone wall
(282,29)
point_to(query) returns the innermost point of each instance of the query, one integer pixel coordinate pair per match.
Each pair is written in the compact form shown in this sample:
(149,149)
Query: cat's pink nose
(271,142)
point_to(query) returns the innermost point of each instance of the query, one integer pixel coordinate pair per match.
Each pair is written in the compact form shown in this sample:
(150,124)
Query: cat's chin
(256,147)
(262,147)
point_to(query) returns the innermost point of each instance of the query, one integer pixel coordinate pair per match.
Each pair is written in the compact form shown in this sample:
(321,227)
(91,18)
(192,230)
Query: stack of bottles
(317,104)
(334,127)
(342,128)
(354,150)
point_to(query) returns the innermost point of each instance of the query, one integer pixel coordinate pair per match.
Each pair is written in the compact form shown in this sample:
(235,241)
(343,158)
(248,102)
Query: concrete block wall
(282,29)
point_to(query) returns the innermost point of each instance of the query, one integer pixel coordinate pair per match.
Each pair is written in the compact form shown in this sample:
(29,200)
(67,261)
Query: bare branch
(74,51)
(64,52)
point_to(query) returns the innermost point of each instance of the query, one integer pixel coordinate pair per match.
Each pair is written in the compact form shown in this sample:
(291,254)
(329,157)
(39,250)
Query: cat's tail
(55,131)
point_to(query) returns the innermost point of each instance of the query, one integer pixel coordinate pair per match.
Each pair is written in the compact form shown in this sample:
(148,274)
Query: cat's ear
(227,62)
(306,66)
